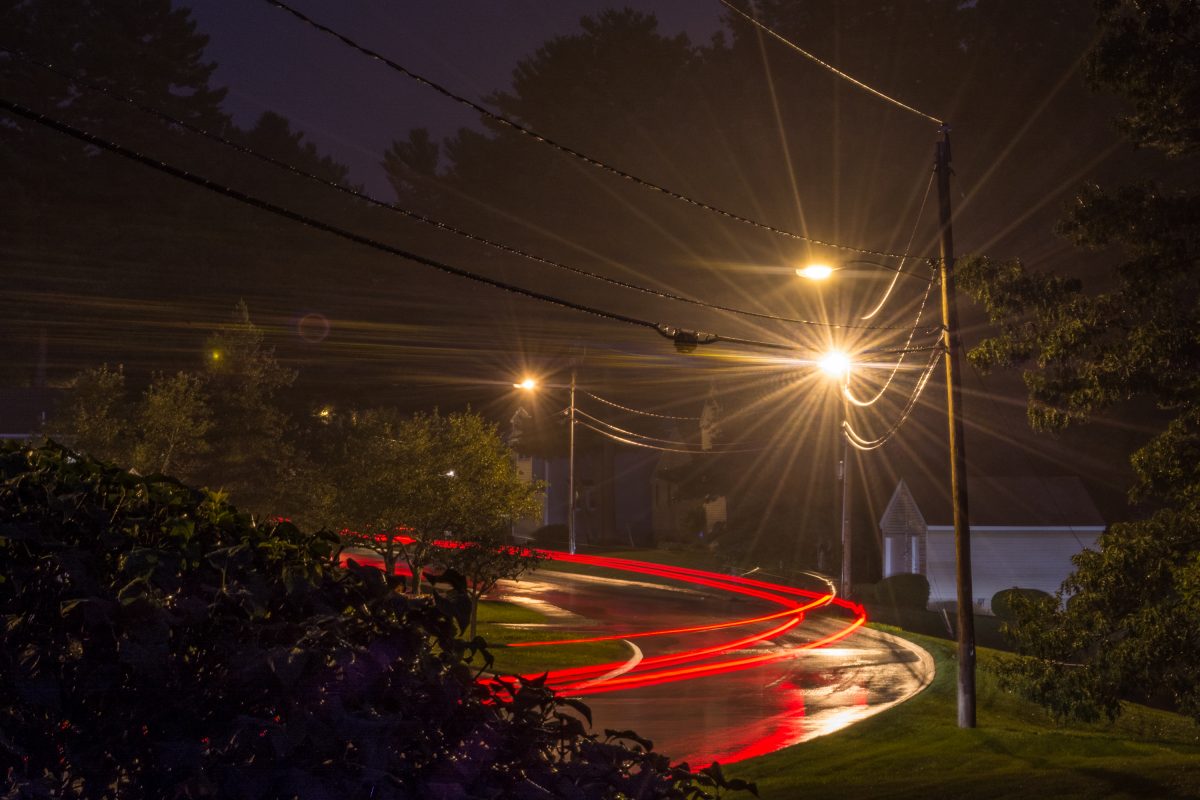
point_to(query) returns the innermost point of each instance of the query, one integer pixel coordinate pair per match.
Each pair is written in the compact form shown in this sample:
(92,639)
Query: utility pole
(847,554)
(571,469)
(958,457)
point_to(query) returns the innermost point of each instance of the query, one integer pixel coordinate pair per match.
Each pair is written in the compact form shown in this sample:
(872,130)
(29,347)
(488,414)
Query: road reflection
(724,674)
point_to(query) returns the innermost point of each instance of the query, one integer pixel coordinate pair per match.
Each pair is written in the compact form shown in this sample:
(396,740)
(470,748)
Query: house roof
(1024,502)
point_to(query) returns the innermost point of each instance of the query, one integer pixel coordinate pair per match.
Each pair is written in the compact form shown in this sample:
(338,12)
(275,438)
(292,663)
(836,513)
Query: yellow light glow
(216,355)
(815,272)
(529,384)
(836,364)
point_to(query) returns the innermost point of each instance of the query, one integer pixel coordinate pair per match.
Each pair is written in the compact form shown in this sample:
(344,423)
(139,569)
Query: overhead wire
(731,447)
(624,440)
(859,442)
(418,217)
(566,149)
(908,248)
(684,339)
(636,410)
(843,75)
(850,398)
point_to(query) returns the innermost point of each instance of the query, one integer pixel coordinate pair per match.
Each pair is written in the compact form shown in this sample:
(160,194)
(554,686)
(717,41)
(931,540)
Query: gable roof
(1023,502)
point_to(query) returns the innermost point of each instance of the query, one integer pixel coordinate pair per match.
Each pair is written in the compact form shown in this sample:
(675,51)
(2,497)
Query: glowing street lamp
(955,443)
(836,364)
(529,385)
(815,272)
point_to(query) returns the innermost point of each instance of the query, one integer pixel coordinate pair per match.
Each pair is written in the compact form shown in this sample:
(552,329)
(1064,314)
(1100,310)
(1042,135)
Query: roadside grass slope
(916,749)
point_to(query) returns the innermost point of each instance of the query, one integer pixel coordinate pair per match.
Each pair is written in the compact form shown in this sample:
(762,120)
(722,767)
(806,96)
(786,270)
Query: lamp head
(836,364)
(528,384)
(815,272)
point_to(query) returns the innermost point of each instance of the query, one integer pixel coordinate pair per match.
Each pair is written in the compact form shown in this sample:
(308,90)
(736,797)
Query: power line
(899,361)
(359,195)
(844,76)
(912,236)
(590,160)
(634,443)
(635,410)
(641,436)
(685,339)
(859,442)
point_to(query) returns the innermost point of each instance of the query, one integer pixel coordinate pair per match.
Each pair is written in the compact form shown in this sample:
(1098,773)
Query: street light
(821,272)
(529,385)
(815,272)
(836,365)
(958,458)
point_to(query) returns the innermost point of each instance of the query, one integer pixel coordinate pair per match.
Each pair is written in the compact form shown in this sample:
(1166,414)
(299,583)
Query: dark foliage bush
(906,590)
(156,643)
(1002,601)
(866,593)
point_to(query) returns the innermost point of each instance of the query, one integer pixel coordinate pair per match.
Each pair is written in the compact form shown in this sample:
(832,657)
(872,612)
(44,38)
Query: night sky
(353,108)
(805,152)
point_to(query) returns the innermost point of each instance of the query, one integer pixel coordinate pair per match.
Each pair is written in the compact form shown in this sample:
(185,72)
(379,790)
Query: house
(613,491)
(1024,532)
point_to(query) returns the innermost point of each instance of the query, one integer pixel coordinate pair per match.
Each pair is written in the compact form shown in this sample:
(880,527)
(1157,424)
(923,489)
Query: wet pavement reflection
(732,715)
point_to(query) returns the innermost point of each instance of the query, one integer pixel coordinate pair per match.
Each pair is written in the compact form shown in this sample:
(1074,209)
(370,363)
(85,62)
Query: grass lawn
(916,750)
(494,619)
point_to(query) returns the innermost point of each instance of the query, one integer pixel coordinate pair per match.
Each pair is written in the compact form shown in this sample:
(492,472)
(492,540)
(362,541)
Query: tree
(411,481)
(172,423)
(251,455)
(222,426)
(95,418)
(485,561)
(1123,623)
(160,643)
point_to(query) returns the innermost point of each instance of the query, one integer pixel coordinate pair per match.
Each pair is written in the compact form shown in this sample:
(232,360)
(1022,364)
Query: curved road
(800,689)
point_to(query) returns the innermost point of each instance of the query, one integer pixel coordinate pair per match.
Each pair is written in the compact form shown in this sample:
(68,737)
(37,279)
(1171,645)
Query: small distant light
(450,474)
(815,272)
(325,413)
(529,384)
(216,355)
(836,364)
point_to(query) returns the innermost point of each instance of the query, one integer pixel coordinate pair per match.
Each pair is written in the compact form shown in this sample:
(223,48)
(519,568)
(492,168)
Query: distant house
(1024,532)
(613,492)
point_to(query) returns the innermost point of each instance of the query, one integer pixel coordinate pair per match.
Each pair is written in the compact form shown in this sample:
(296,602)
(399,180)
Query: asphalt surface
(737,714)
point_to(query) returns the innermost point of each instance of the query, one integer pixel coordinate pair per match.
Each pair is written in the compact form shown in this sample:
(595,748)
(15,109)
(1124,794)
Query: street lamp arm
(899,270)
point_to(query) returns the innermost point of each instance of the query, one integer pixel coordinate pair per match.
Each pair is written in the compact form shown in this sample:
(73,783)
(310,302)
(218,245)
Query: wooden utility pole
(571,469)
(958,457)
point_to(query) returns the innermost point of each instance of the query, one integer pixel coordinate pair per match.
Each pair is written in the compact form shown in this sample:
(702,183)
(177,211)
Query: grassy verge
(495,619)
(933,623)
(916,750)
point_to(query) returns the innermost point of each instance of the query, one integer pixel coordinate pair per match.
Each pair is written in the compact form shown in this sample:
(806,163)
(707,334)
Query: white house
(1023,533)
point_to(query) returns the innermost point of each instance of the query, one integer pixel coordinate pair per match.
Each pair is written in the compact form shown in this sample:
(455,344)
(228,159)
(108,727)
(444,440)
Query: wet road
(796,688)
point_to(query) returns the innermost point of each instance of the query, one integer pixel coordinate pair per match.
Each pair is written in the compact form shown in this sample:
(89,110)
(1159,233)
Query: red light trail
(690,663)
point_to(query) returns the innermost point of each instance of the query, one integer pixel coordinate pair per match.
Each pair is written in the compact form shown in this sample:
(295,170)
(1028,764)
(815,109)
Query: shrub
(1002,601)
(906,590)
(866,593)
(157,643)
